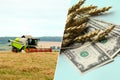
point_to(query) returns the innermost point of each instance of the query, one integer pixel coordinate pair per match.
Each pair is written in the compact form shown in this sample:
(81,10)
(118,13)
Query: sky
(33,17)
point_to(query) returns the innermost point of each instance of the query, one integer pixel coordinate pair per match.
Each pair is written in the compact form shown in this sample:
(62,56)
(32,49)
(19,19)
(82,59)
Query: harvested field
(27,66)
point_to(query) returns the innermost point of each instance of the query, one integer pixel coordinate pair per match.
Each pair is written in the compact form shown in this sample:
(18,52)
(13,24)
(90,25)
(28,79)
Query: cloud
(35,17)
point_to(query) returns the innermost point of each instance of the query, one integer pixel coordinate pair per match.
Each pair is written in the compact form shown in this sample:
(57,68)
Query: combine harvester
(27,43)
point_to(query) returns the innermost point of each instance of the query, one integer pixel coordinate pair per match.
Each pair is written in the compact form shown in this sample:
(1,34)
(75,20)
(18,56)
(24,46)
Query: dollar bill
(102,26)
(87,57)
(110,44)
(90,55)
(115,32)
(106,23)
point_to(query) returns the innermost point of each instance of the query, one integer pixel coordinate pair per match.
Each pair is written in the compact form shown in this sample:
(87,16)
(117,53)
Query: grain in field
(27,66)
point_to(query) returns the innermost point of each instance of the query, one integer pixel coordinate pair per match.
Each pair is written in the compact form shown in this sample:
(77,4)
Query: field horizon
(4,40)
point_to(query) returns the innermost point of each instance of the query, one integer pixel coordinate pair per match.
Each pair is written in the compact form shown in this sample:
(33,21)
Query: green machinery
(23,43)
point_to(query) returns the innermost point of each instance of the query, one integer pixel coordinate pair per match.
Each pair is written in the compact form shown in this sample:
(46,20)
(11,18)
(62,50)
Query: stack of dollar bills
(90,55)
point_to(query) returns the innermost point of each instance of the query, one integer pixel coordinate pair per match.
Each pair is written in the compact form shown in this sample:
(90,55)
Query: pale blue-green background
(65,69)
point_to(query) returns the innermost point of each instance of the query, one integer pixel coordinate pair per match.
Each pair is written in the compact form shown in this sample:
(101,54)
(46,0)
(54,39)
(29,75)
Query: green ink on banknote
(103,41)
(84,54)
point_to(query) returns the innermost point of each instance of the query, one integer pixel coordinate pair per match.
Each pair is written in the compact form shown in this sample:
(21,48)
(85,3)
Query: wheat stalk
(86,36)
(68,35)
(79,21)
(84,9)
(103,34)
(76,29)
(70,19)
(76,6)
(66,42)
(75,25)
(98,11)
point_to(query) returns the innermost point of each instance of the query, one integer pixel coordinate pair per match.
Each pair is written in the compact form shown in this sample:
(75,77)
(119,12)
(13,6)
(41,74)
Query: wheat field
(27,66)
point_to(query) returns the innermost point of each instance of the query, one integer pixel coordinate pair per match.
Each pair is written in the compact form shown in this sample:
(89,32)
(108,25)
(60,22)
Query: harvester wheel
(14,49)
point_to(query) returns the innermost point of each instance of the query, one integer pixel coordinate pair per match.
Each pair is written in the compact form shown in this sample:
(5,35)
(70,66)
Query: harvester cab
(23,43)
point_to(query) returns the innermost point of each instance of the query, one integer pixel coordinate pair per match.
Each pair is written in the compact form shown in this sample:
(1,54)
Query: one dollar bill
(87,57)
